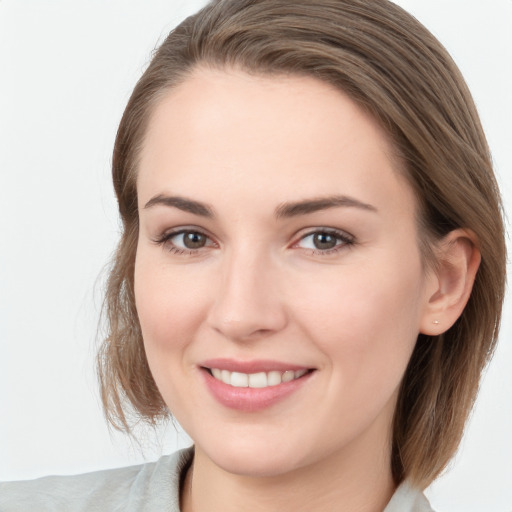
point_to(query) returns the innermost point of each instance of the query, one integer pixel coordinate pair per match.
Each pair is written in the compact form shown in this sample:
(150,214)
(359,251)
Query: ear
(450,283)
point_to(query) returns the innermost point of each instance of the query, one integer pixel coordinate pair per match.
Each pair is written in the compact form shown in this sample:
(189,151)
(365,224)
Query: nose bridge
(248,302)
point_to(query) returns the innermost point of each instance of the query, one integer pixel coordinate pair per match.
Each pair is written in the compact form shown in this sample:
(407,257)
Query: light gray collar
(408,499)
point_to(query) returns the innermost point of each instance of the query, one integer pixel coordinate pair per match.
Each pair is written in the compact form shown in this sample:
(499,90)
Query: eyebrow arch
(318,204)
(182,203)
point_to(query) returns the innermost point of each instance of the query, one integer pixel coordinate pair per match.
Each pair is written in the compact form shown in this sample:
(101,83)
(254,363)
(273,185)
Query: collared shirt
(151,487)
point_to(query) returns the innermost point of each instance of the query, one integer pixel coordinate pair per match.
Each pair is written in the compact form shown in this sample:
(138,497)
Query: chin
(248,458)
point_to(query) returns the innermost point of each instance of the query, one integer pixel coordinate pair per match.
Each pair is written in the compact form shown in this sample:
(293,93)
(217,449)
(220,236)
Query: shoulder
(149,487)
(408,499)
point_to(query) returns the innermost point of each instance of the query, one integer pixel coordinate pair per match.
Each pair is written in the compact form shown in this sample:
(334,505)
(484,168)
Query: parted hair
(395,69)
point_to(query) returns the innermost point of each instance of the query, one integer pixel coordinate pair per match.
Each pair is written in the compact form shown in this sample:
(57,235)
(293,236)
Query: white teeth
(288,376)
(274,378)
(225,377)
(239,380)
(256,380)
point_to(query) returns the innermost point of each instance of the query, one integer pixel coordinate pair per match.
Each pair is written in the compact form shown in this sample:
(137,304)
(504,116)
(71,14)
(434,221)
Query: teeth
(288,376)
(256,380)
(300,373)
(273,378)
(239,380)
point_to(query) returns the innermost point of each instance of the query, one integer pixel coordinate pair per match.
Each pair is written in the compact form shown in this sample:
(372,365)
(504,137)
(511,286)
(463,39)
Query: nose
(248,304)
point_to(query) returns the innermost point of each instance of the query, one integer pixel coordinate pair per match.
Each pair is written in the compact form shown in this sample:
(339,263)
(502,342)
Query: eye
(189,240)
(185,241)
(325,241)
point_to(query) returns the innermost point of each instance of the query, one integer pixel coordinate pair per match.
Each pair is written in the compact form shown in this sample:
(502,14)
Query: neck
(349,482)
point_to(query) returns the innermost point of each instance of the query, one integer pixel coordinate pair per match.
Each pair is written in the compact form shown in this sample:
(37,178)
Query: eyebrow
(322,203)
(182,203)
(284,210)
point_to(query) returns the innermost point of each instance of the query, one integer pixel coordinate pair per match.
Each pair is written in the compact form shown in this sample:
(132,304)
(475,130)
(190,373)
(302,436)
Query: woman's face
(278,280)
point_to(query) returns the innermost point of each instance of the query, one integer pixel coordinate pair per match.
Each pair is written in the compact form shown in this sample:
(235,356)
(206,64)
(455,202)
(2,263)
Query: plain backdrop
(66,72)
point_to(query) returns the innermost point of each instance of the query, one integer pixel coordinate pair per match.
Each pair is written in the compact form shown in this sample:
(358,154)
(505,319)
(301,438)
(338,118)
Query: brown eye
(193,240)
(324,241)
(186,242)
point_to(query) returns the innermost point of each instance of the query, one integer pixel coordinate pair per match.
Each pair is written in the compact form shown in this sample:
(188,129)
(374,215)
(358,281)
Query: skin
(259,289)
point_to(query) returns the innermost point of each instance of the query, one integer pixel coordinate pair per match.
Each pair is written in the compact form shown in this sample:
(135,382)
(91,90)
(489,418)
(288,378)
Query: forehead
(292,133)
(212,99)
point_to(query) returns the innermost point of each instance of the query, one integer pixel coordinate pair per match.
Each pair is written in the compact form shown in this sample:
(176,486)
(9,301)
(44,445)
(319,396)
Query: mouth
(258,380)
(255,385)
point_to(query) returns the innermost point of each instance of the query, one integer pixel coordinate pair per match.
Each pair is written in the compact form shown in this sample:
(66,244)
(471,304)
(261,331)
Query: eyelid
(346,239)
(165,239)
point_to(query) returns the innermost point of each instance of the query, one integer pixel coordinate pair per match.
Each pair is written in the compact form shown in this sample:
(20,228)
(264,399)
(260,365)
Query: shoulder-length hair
(395,69)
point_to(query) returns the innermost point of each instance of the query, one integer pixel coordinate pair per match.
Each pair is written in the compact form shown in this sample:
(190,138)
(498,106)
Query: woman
(314,181)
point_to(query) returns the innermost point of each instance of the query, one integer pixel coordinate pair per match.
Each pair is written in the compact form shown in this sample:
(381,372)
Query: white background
(66,72)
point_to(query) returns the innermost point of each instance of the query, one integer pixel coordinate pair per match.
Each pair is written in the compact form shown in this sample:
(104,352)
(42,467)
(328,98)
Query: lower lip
(252,399)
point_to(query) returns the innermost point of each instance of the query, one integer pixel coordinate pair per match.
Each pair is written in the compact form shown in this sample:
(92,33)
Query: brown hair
(388,63)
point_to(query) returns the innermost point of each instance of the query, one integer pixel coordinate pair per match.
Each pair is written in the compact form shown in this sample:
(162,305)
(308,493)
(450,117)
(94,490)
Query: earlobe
(450,284)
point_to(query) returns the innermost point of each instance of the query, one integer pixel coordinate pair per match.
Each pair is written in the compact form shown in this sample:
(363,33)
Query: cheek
(366,322)
(169,308)
(168,305)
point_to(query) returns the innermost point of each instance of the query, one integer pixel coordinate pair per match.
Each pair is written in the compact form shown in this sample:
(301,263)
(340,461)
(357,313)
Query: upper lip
(254,366)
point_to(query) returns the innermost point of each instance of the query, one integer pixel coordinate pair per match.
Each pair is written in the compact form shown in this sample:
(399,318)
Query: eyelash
(345,241)
(165,241)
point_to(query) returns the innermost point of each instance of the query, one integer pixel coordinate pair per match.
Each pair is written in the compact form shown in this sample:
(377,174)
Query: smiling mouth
(256,380)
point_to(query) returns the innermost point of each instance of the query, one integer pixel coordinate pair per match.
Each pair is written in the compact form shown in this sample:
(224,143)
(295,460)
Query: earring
(436,322)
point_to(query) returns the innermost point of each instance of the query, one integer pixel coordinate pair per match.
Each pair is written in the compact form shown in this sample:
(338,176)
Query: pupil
(194,240)
(324,241)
